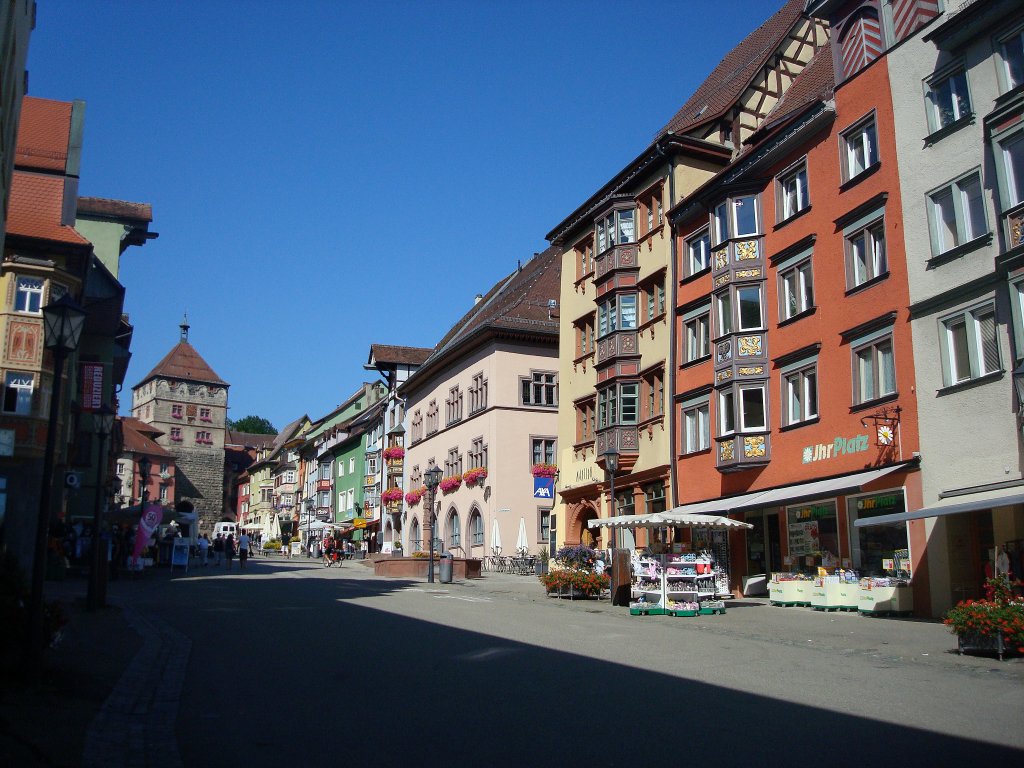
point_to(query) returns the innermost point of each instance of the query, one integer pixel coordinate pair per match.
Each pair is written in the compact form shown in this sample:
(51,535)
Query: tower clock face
(885,435)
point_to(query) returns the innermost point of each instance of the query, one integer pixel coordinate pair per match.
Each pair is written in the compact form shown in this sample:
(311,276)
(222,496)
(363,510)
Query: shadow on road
(288,666)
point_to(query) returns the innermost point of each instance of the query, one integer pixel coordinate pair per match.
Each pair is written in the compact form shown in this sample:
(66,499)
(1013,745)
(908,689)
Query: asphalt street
(290,661)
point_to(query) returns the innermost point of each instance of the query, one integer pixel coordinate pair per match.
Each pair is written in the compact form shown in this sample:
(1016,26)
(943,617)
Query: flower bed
(449,484)
(544,470)
(993,624)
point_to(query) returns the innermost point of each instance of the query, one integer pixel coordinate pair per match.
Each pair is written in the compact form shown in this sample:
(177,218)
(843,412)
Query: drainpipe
(670,368)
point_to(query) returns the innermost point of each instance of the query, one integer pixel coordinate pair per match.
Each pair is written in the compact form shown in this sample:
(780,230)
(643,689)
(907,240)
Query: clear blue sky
(327,175)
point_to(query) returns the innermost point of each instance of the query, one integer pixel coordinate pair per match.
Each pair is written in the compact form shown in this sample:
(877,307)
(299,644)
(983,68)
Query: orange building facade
(794,393)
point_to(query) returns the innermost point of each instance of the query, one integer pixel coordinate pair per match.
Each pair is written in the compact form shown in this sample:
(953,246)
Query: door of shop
(763,554)
(970,545)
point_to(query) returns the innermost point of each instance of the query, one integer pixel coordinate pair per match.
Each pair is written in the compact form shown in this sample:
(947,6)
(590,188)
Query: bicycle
(334,557)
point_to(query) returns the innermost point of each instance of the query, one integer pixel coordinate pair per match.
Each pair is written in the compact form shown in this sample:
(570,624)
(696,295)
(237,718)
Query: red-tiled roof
(137,438)
(35,206)
(43,133)
(122,209)
(184,363)
(733,74)
(517,303)
(383,354)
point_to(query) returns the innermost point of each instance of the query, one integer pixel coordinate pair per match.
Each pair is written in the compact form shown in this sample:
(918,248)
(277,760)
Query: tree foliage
(254,425)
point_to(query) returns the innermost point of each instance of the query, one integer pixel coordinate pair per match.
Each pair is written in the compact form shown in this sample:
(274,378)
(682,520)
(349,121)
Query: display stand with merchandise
(788,589)
(839,591)
(885,596)
(685,585)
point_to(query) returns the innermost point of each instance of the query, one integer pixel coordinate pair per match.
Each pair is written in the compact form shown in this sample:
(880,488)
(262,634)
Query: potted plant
(412,498)
(573,573)
(993,624)
(544,470)
(540,566)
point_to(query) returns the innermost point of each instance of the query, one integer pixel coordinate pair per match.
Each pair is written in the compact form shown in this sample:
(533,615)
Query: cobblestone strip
(135,727)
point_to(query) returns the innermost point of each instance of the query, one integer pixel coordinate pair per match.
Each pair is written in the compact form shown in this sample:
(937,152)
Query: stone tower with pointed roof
(188,402)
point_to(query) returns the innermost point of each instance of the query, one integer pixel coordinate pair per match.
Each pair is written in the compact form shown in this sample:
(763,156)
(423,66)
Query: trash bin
(446,567)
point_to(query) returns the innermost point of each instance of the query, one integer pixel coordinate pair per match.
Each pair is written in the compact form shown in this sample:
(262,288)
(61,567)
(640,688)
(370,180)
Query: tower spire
(184,327)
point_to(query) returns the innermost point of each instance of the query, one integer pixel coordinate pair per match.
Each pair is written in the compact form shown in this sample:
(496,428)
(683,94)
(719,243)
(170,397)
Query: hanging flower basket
(449,484)
(544,470)
(391,496)
(412,498)
(475,476)
(394,453)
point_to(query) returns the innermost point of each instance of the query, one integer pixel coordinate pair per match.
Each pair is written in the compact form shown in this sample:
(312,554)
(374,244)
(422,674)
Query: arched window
(476,528)
(454,537)
(415,540)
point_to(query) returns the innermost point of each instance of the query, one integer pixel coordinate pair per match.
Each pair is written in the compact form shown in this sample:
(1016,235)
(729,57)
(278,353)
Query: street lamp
(144,466)
(104,426)
(62,326)
(611,466)
(432,478)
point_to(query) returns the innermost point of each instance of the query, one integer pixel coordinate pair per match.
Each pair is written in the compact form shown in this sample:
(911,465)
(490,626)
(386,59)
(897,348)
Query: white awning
(775,496)
(664,519)
(952,505)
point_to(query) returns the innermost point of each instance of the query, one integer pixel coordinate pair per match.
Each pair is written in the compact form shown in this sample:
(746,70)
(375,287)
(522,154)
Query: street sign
(544,488)
(358,522)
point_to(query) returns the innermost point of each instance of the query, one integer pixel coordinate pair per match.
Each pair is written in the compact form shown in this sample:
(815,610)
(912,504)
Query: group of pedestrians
(225,549)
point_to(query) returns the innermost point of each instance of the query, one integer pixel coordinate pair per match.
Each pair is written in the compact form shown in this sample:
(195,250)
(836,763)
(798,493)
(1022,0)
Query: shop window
(871,544)
(812,531)
(956,213)
(969,345)
(859,148)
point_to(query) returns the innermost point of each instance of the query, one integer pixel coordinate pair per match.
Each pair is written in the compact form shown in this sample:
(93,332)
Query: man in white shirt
(243,549)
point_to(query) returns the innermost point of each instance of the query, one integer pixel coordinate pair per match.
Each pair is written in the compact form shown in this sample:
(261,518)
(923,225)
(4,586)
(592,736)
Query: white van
(224,529)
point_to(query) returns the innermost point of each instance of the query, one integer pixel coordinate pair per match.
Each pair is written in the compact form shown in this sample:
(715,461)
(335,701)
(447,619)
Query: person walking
(243,549)
(218,549)
(229,549)
(204,549)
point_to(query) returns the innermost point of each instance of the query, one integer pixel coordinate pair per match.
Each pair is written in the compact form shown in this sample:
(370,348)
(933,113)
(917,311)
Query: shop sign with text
(838,447)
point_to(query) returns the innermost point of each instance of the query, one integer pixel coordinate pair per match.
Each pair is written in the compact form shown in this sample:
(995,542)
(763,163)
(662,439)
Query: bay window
(618,404)
(617,313)
(615,228)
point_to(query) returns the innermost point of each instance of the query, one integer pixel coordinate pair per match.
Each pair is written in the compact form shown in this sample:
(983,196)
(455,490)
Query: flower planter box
(979,642)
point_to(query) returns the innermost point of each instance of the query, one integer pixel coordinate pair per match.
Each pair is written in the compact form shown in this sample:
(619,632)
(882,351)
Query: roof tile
(184,363)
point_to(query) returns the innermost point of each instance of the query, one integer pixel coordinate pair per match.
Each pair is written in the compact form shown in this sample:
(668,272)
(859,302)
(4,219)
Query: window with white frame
(1011,51)
(1011,157)
(697,334)
(720,223)
(542,450)
(745,219)
(726,412)
(753,409)
(748,304)
(18,393)
(29,295)
(859,146)
(948,99)
(865,254)
(698,252)
(969,344)
(341,467)
(724,326)
(696,419)
(792,192)
(956,213)
(325,471)
(615,228)
(874,369)
(800,392)
(351,464)
(796,288)
(541,388)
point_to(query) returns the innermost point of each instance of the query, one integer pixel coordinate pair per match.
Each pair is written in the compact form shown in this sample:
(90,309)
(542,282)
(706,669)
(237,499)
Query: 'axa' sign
(543,487)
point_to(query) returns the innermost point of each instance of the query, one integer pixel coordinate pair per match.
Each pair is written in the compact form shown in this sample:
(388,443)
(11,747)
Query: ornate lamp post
(144,466)
(62,325)
(611,466)
(309,503)
(432,478)
(104,426)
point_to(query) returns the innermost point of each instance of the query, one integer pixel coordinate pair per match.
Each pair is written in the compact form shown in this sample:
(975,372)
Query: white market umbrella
(522,542)
(662,519)
(495,536)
